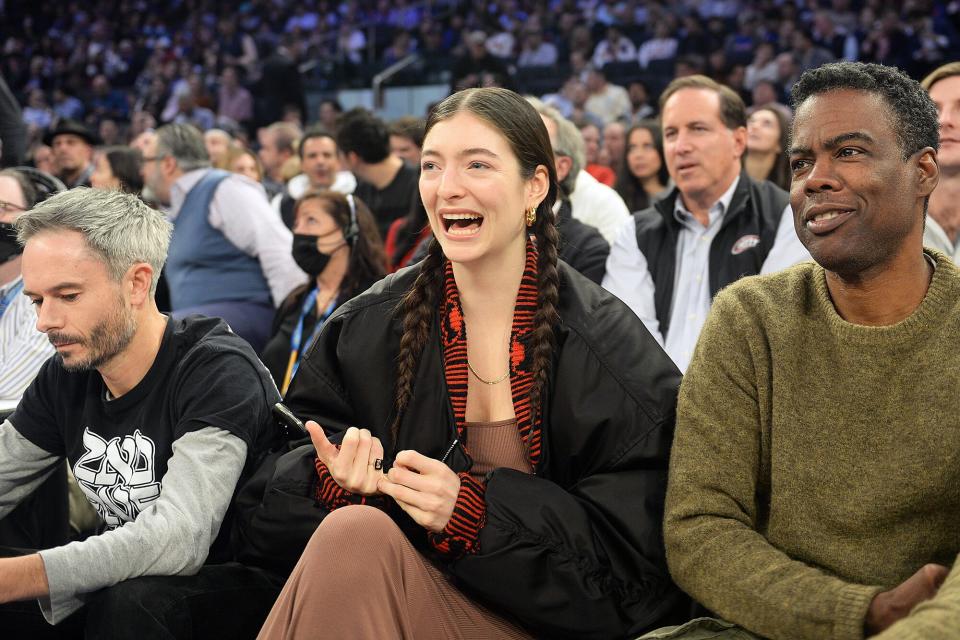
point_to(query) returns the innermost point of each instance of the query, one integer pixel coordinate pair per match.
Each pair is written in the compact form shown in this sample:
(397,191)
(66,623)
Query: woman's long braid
(417,308)
(548,295)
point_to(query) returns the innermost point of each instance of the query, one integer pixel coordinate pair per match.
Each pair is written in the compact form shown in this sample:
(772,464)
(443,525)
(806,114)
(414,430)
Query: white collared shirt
(23,349)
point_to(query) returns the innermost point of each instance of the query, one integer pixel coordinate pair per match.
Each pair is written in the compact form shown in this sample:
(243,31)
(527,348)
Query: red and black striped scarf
(453,333)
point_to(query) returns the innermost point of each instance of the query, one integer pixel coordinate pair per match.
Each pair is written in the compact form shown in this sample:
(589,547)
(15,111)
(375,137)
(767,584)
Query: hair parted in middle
(520,124)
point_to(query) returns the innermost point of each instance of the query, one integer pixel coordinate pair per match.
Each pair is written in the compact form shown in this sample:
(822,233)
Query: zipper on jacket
(450,450)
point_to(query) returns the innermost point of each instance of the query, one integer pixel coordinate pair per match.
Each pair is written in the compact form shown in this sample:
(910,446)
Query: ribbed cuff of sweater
(333,496)
(460,536)
(852,606)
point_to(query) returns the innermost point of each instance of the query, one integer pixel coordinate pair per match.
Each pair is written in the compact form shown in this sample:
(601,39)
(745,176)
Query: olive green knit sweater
(815,462)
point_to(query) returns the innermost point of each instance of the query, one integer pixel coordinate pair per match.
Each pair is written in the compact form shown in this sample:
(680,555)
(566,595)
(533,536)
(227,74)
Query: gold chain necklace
(491,382)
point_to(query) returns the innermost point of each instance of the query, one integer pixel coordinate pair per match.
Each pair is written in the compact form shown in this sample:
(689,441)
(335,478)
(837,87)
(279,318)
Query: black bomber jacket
(576,548)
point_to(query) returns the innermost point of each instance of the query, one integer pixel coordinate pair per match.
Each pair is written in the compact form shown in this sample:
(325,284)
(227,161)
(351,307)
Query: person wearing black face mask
(22,348)
(336,242)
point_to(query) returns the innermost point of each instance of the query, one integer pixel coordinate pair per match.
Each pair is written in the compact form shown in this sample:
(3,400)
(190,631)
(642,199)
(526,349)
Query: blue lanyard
(297,336)
(8,299)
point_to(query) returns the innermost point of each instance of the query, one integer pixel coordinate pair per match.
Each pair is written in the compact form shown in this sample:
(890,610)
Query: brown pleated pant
(360,577)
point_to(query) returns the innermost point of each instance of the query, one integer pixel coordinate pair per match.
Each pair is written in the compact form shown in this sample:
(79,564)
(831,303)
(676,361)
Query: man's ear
(740,140)
(139,281)
(564,164)
(928,169)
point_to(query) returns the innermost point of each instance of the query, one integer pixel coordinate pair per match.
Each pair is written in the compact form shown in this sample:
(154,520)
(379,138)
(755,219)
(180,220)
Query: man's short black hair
(363,133)
(317,131)
(913,114)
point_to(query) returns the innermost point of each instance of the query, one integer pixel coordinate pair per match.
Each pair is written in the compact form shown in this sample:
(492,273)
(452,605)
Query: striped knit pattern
(333,496)
(460,535)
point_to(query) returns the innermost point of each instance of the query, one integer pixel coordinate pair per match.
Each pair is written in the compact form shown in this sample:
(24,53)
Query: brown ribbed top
(495,444)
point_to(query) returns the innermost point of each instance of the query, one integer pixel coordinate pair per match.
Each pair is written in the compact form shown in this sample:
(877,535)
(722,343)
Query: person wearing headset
(337,243)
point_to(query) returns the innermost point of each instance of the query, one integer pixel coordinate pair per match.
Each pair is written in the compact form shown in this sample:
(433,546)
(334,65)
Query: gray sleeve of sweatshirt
(23,467)
(171,537)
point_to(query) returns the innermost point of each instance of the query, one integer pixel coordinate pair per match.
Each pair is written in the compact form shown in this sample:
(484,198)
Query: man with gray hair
(581,245)
(230,255)
(159,420)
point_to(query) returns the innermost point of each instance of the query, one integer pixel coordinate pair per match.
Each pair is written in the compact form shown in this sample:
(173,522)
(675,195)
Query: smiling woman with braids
(508,475)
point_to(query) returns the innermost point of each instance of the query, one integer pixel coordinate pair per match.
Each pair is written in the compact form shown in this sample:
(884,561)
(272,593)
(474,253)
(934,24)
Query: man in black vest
(717,225)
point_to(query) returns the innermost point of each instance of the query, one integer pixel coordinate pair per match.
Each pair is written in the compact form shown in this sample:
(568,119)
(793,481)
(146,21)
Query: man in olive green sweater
(815,476)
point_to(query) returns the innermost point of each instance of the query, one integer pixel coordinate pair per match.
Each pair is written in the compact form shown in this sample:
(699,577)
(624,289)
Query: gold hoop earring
(531,216)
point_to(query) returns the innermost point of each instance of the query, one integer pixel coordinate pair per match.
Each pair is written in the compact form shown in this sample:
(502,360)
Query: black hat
(72,127)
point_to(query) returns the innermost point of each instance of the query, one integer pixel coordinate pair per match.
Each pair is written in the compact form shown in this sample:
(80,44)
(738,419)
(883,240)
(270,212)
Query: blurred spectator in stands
(579,63)
(408,237)
(942,229)
(766,92)
(762,67)
(885,41)
(692,37)
(118,168)
(788,71)
(768,130)
(827,35)
(72,145)
(110,132)
(302,20)
(66,106)
(661,47)
(640,107)
(23,349)
(607,101)
(238,48)
(562,100)
(534,50)
(105,101)
(328,112)
(615,144)
(740,44)
(234,102)
(644,178)
(336,242)
(143,140)
(616,47)
(928,48)
(581,245)
(229,254)
(808,54)
(501,45)
(384,182)
(189,112)
(243,161)
(217,142)
(581,42)
(406,139)
(468,68)
(402,46)
(280,85)
(591,141)
(351,43)
(43,518)
(321,170)
(201,94)
(37,114)
(690,65)
(41,157)
(278,143)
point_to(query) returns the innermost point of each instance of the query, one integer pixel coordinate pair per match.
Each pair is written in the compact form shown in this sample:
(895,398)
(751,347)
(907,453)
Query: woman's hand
(425,488)
(358,465)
